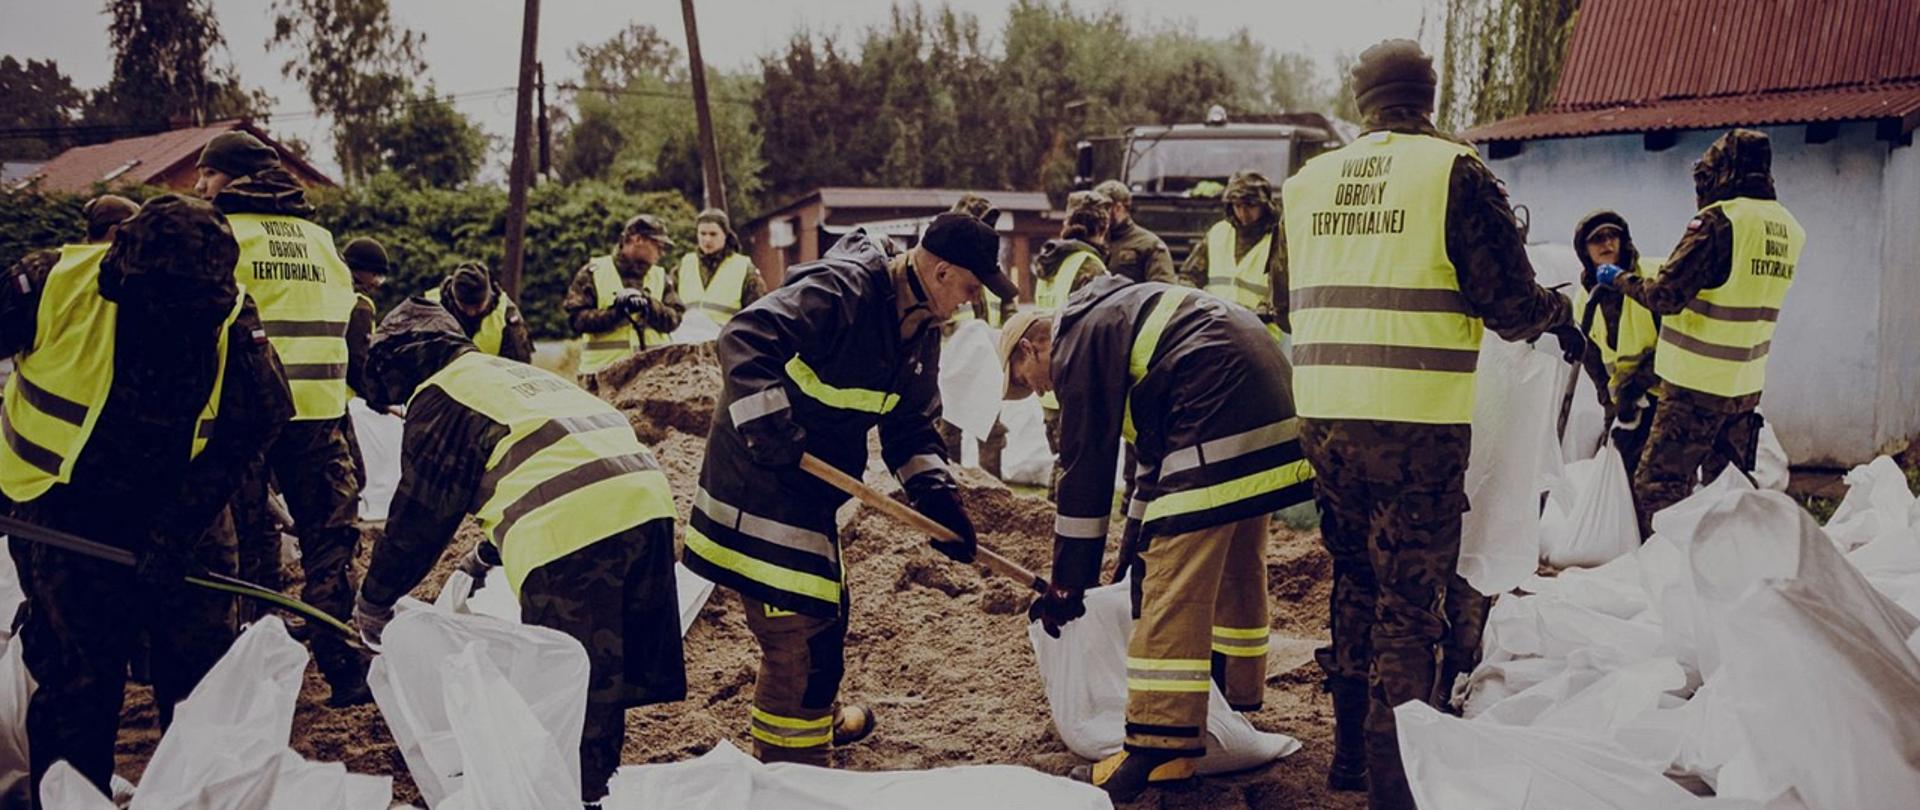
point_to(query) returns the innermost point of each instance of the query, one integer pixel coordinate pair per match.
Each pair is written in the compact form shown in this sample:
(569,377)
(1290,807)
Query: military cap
(1394,73)
(239,154)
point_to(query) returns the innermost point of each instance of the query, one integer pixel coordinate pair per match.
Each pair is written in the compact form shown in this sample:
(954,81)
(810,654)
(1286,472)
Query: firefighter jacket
(1202,392)
(828,350)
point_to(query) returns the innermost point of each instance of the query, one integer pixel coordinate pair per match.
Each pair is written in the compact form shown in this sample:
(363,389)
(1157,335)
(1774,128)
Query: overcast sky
(473,45)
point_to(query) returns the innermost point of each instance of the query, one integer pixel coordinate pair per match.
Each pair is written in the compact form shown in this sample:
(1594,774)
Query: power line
(113,131)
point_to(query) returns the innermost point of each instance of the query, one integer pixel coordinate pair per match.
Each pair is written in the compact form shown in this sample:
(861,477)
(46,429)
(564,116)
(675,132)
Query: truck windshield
(1173,165)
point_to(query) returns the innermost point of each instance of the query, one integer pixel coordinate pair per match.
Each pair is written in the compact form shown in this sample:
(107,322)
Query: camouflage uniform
(585,316)
(134,487)
(1391,494)
(311,463)
(1691,429)
(1133,252)
(616,596)
(1193,272)
(752,288)
(359,331)
(516,343)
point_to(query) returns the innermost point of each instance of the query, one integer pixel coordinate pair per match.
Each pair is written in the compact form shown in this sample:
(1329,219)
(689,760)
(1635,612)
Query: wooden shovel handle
(906,515)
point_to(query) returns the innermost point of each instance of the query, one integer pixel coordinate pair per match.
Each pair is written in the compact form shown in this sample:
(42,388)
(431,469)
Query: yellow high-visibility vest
(305,295)
(1243,281)
(1718,345)
(720,300)
(603,349)
(1380,330)
(1638,332)
(1050,295)
(965,312)
(493,328)
(569,472)
(58,386)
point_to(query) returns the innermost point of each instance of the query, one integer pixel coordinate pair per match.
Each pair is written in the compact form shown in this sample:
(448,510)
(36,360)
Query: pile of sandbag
(1742,652)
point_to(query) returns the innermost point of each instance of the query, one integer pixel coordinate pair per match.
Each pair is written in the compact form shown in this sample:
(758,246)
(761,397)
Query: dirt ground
(940,652)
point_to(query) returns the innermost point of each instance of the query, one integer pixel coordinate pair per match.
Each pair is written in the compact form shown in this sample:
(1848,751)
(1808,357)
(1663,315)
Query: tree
(1502,57)
(356,64)
(431,143)
(37,101)
(162,71)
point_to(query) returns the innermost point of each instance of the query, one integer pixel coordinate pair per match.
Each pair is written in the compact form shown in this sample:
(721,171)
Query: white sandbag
(510,760)
(1585,420)
(727,779)
(1084,673)
(1026,459)
(1826,692)
(970,378)
(11,594)
(1589,519)
(379,437)
(694,329)
(1517,401)
(1549,626)
(1877,505)
(228,746)
(16,688)
(1614,588)
(1771,469)
(546,667)
(63,788)
(493,598)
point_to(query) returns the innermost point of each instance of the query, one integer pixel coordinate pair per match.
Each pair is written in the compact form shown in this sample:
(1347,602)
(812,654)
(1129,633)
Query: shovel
(211,581)
(906,515)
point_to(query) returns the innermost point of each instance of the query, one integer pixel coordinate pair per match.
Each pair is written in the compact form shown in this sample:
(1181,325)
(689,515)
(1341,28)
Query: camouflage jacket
(1138,254)
(583,302)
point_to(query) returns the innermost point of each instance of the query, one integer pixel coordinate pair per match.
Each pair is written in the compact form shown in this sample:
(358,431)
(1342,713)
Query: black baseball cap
(966,241)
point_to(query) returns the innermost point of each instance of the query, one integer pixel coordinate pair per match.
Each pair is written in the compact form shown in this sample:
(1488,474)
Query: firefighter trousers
(802,659)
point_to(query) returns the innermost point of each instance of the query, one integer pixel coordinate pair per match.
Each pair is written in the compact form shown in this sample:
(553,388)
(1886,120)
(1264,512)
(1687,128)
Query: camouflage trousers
(1050,418)
(1391,496)
(312,463)
(991,448)
(618,597)
(81,623)
(795,697)
(1689,444)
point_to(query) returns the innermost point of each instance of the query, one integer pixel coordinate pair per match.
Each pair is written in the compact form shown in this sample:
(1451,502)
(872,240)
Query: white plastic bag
(547,668)
(1027,459)
(510,760)
(1517,402)
(379,437)
(1589,519)
(970,378)
(63,788)
(1877,505)
(727,779)
(1770,465)
(1085,676)
(696,329)
(16,687)
(11,594)
(492,597)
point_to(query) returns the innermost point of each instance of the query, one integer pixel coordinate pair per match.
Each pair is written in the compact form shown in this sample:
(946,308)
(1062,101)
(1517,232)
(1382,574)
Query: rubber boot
(1124,776)
(818,756)
(852,723)
(1349,769)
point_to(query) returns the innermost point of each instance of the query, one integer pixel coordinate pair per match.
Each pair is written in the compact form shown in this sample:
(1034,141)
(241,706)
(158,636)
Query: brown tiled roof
(1645,65)
(131,161)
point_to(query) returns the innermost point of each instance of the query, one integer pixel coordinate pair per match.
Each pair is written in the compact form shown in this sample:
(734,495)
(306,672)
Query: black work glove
(629,301)
(942,504)
(1573,345)
(479,560)
(1058,606)
(775,440)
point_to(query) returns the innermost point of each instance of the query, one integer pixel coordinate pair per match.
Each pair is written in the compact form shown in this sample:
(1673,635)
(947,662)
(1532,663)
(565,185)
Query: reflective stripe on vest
(569,472)
(1243,281)
(1638,333)
(493,328)
(210,413)
(849,399)
(1144,345)
(54,397)
(720,300)
(305,296)
(1050,294)
(1718,345)
(1380,328)
(603,349)
(815,546)
(989,301)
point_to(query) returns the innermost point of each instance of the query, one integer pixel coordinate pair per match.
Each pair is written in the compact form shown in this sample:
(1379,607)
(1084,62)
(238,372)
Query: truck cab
(1178,171)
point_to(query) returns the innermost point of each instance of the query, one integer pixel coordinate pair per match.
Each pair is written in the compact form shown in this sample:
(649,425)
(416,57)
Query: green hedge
(426,231)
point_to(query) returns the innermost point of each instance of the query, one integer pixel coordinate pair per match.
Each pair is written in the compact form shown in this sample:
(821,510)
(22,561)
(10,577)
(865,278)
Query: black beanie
(239,154)
(364,255)
(1394,73)
(471,285)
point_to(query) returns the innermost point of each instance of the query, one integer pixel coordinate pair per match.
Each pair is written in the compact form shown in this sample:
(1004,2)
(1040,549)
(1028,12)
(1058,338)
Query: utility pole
(546,129)
(520,170)
(716,183)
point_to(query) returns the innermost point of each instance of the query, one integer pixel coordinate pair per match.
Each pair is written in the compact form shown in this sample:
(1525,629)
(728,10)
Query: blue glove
(1606,274)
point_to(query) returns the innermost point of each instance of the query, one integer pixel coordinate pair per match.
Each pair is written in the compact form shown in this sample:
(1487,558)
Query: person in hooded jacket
(1197,387)
(577,514)
(488,317)
(145,390)
(717,279)
(1064,266)
(1620,332)
(1718,298)
(848,343)
(1241,259)
(103,214)
(289,265)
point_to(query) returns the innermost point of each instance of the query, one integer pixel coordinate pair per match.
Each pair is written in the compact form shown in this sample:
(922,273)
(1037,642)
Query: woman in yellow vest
(1620,332)
(1240,260)
(1718,298)
(576,512)
(486,315)
(1063,267)
(717,279)
(622,302)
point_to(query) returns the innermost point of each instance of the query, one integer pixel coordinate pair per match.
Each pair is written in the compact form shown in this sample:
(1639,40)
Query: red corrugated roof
(1638,65)
(143,158)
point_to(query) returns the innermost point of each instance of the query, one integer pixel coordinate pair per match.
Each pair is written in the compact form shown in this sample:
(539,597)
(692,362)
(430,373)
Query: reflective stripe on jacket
(305,295)
(1719,344)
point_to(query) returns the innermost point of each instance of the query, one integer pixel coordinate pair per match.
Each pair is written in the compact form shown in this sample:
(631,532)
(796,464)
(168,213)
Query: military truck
(1177,171)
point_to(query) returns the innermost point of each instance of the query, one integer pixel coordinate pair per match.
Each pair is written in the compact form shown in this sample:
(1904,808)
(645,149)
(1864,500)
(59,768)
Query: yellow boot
(1124,776)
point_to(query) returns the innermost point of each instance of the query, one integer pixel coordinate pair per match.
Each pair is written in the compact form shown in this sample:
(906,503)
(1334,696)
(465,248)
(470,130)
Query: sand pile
(939,650)
(668,388)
